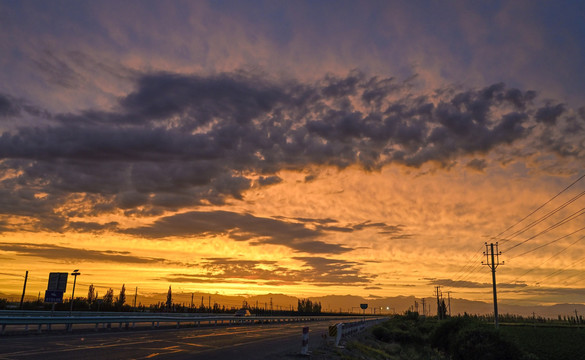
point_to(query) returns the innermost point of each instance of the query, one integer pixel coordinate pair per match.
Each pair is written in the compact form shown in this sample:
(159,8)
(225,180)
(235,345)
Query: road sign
(57,282)
(364,306)
(53,296)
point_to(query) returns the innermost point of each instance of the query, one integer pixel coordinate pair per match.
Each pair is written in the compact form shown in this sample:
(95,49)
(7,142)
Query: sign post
(75,273)
(55,288)
(364,307)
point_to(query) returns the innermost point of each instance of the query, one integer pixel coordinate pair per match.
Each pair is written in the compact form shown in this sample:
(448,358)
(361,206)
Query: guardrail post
(39,329)
(305,343)
(96,327)
(178,323)
(3,328)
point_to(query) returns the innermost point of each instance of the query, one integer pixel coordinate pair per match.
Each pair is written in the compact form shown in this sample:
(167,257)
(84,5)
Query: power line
(547,260)
(547,244)
(469,265)
(540,207)
(569,218)
(564,269)
(544,217)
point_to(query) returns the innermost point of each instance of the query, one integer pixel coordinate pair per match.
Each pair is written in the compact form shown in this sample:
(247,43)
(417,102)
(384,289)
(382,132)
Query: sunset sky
(299,147)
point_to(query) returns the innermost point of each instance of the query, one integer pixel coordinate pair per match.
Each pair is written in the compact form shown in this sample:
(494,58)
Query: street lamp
(74,273)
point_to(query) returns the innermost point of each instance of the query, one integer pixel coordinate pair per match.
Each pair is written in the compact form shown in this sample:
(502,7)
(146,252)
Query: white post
(305,343)
(339,334)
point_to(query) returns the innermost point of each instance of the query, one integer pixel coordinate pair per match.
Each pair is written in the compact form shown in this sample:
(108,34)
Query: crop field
(461,338)
(548,342)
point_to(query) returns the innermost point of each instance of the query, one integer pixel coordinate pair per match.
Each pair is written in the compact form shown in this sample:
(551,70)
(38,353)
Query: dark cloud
(471,284)
(382,228)
(477,164)
(83,226)
(317,271)
(330,272)
(69,254)
(178,141)
(549,114)
(240,227)
(8,107)
(269,180)
(57,70)
(334,226)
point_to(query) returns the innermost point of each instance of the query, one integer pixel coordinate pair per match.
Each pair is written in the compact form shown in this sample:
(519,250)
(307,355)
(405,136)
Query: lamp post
(75,273)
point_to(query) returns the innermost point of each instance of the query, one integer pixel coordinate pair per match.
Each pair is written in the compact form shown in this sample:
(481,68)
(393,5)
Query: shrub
(401,332)
(444,335)
(484,344)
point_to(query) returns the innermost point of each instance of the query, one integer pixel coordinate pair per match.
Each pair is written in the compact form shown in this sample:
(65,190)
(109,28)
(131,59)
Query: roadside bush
(465,338)
(444,335)
(399,331)
(382,333)
(484,344)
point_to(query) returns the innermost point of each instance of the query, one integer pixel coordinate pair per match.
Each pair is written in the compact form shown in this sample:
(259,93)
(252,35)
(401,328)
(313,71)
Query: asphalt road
(267,341)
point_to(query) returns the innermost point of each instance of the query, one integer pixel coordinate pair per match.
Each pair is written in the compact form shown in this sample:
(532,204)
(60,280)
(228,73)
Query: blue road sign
(57,281)
(53,296)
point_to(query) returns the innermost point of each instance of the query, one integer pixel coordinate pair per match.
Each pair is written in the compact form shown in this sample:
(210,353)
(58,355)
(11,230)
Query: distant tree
(109,297)
(91,296)
(442,310)
(121,299)
(308,307)
(169,299)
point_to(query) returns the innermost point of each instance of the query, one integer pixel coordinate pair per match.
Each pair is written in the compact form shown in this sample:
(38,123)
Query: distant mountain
(346,303)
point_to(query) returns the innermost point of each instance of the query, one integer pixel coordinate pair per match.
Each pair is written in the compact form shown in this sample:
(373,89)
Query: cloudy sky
(300,147)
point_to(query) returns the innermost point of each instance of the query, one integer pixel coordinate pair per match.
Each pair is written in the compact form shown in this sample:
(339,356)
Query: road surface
(267,341)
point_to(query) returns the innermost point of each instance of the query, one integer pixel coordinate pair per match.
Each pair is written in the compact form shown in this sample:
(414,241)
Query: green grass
(412,338)
(548,342)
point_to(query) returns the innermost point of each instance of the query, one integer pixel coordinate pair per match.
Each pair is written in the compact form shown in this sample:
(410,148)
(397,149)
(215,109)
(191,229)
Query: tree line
(119,303)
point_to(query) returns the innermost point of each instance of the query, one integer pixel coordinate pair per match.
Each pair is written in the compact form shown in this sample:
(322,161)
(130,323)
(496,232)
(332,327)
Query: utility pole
(438,293)
(423,305)
(493,260)
(449,301)
(23,289)
(192,300)
(135,296)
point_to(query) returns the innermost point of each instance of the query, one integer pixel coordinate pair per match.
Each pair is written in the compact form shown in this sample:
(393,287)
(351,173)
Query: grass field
(462,338)
(548,342)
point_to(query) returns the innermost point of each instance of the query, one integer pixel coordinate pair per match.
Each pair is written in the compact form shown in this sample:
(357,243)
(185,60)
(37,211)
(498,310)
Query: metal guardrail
(352,328)
(37,313)
(342,330)
(154,320)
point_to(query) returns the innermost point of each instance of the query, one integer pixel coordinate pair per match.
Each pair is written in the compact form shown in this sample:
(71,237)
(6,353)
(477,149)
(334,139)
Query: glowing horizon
(290,153)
